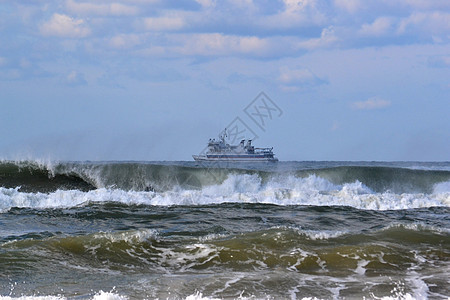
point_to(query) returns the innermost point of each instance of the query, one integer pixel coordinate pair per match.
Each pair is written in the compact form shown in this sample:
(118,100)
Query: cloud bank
(338,68)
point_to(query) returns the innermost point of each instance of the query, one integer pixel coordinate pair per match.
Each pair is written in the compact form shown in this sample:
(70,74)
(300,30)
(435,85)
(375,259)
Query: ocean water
(188,230)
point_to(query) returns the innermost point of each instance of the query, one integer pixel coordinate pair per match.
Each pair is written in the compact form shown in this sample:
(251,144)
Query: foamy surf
(101,295)
(289,190)
(396,295)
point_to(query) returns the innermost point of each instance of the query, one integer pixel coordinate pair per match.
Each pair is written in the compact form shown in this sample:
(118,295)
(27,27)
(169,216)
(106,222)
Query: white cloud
(350,6)
(75,79)
(114,9)
(154,51)
(163,23)
(326,39)
(371,104)
(295,13)
(243,4)
(64,26)
(288,75)
(206,3)
(380,26)
(123,41)
(293,6)
(213,44)
(294,79)
(217,45)
(435,22)
(427,4)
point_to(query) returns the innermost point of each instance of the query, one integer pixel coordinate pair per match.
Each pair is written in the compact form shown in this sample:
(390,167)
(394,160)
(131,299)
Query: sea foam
(99,296)
(239,188)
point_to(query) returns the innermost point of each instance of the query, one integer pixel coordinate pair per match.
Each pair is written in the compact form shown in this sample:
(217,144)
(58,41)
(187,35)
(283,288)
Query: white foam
(281,190)
(419,286)
(99,296)
(442,187)
(419,227)
(360,268)
(108,296)
(32,298)
(190,257)
(211,237)
(199,296)
(317,234)
(135,236)
(397,296)
(430,167)
(323,235)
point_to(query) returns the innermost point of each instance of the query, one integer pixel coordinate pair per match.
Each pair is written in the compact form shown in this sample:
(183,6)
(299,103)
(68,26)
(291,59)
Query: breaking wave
(68,184)
(33,176)
(238,188)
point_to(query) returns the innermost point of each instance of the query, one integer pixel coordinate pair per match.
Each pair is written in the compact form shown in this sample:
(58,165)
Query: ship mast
(223,136)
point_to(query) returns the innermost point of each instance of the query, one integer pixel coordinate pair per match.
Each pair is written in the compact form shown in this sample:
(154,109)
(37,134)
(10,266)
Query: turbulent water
(187,230)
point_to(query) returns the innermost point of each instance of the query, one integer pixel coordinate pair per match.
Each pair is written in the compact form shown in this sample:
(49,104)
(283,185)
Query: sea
(193,230)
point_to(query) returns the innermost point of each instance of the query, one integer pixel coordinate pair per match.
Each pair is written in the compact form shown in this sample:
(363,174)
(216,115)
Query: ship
(219,150)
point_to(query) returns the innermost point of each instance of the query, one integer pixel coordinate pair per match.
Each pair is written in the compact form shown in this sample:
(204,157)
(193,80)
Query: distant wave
(245,188)
(387,179)
(33,176)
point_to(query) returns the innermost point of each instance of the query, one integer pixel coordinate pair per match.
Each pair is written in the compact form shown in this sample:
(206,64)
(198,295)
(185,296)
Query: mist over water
(184,230)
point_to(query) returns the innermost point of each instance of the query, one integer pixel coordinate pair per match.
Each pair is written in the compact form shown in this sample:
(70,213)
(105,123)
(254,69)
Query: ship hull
(234,158)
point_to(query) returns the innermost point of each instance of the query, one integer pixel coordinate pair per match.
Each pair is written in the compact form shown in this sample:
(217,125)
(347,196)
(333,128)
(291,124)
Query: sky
(153,80)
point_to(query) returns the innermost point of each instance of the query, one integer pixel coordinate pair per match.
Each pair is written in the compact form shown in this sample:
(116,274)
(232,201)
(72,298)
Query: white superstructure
(219,150)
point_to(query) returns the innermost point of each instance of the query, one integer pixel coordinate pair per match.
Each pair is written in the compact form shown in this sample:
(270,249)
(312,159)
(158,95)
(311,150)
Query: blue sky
(154,79)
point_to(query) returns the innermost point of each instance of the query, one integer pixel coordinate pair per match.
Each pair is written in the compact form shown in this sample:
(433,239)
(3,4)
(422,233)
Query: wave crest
(236,188)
